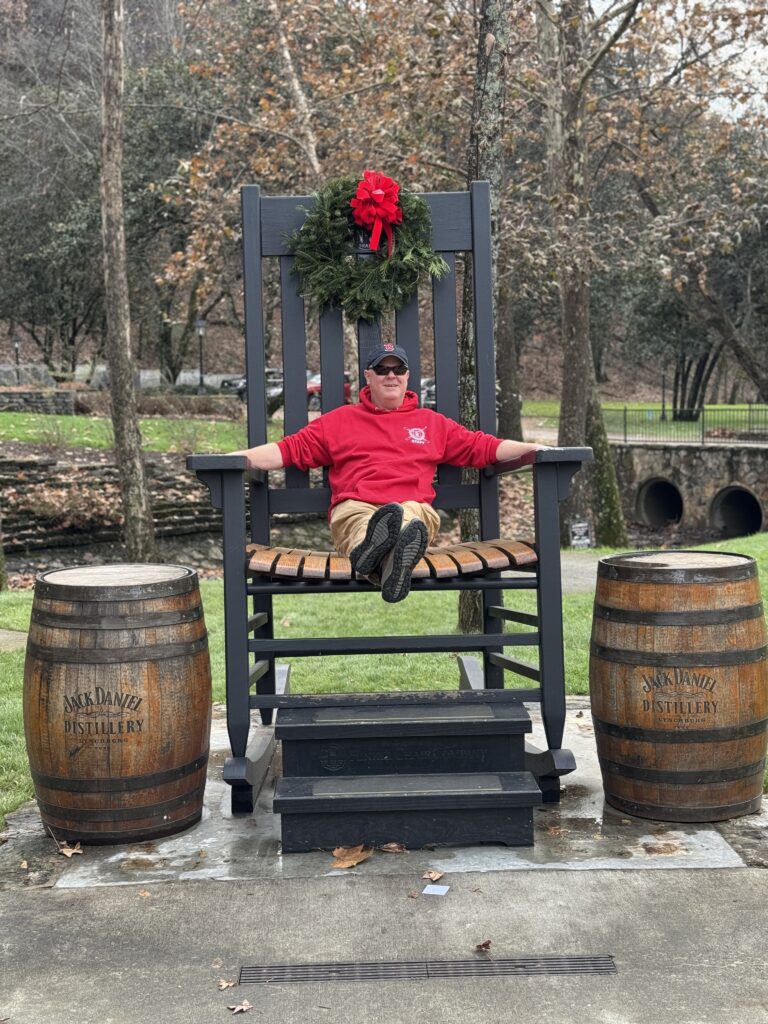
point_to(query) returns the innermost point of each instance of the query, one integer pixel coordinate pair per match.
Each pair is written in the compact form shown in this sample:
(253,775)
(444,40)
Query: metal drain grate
(422,970)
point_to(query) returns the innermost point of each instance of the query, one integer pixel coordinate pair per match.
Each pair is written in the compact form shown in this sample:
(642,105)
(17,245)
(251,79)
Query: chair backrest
(461,222)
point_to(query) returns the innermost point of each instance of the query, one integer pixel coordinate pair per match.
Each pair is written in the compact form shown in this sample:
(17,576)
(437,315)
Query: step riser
(303,833)
(403,755)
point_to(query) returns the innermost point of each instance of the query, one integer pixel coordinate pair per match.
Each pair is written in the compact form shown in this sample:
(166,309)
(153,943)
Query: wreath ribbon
(376,207)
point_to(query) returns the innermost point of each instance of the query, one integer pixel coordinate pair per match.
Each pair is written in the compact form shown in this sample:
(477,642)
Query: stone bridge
(721,488)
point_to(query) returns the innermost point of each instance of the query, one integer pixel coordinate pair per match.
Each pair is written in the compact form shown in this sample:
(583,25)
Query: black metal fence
(747,424)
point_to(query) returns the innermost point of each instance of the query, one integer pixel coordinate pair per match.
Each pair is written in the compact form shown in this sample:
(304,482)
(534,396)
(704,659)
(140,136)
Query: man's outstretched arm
(263,456)
(514,449)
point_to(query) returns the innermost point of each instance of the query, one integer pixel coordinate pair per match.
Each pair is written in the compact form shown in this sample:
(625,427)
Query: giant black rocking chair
(418,767)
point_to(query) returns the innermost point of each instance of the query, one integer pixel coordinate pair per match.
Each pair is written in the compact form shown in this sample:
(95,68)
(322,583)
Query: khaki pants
(349,521)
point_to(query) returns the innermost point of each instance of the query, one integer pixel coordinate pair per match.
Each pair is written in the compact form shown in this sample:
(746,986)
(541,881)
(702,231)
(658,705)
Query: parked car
(428,393)
(234,385)
(239,385)
(314,391)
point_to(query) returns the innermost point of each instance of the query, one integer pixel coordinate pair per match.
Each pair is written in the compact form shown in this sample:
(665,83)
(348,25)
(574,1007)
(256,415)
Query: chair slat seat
(438,563)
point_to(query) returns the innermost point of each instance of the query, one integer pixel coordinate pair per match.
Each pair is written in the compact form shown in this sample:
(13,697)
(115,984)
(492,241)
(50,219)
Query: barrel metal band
(678,659)
(630,572)
(136,592)
(692,778)
(631,732)
(115,655)
(149,620)
(102,837)
(670,618)
(120,784)
(665,812)
(158,810)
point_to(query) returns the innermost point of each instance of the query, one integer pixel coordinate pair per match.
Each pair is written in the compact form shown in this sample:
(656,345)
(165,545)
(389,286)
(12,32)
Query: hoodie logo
(417,435)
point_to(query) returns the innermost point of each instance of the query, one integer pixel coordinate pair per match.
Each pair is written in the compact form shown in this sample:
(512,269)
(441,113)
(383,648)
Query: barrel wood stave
(117,702)
(680,710)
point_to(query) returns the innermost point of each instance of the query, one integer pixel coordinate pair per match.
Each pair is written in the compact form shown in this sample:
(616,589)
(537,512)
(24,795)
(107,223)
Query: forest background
(625,142)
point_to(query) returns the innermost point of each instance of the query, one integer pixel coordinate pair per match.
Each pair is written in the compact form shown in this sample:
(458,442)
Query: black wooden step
(401,720)
(416,810)
(402,739)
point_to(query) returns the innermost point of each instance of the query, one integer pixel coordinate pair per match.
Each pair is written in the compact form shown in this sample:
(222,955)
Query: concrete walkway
(12,640)
(127,935)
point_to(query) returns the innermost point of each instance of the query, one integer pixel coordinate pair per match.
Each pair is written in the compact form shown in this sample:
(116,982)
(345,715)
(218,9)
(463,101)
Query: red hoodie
(380,455)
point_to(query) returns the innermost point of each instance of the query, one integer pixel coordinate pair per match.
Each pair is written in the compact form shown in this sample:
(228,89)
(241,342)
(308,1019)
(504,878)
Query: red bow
(376,207)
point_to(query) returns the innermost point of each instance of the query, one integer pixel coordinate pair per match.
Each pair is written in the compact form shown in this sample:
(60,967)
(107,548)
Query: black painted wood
(460,225)
(394,754)
(402,739)
(303,833)
(417,810)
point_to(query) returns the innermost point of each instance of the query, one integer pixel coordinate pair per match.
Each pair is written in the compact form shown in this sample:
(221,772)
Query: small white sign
(435,890)
(581,535)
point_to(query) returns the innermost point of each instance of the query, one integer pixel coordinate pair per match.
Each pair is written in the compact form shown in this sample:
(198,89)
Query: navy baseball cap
(382,351)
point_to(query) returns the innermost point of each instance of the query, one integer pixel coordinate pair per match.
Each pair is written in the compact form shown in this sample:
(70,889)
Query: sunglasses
(383,371)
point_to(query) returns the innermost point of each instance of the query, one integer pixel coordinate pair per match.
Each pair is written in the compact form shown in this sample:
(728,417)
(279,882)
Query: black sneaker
(380,537)
(401,561)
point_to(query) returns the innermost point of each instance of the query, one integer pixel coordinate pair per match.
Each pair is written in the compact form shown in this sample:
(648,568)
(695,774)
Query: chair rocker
(417,767)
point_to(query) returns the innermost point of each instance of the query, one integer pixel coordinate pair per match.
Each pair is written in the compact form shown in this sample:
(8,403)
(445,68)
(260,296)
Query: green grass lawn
(320,615)
(159,434)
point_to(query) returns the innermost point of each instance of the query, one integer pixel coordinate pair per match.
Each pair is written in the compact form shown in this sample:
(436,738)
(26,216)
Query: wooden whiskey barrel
(679,684)
(117,701)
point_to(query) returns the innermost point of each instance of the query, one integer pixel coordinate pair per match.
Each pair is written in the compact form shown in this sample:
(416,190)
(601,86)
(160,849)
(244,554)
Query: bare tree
(139,531)
(484,162)
(573,43)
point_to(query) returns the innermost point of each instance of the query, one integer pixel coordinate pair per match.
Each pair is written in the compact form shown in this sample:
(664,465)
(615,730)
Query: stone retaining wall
(50,401)
(701,474)
(49,503)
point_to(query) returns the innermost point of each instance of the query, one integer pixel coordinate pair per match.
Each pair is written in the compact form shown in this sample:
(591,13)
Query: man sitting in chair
(382,455)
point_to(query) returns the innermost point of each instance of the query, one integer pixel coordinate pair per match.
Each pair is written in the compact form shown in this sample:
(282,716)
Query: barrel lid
(115,582)
(677,566)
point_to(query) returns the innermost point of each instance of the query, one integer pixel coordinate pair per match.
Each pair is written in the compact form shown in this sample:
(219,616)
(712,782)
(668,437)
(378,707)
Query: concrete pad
(126,935)
(581,833)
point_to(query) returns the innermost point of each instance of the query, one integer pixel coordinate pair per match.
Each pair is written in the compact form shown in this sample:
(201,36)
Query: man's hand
(508,450)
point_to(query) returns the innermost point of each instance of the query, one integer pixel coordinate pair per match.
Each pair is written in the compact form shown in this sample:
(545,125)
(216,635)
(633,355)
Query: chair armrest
(537,456)
(224,463)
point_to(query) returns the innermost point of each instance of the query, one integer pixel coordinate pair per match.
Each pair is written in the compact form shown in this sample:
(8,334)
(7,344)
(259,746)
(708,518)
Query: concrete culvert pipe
(736,512)
(659,504)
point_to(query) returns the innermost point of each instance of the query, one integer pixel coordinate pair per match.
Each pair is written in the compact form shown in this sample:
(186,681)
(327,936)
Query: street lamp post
(200,326)
(16,345)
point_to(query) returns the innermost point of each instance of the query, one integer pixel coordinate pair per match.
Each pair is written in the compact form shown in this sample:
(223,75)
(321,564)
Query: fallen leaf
(69,851)
(483,947)
(557,830)
(413,895)
(23,867)
(218,962)
(665,849)
(433,876)
(285,622)
(225,983)
(243,1007)
(393,848)
(579,714)
(349,856)
(202,854)
(144,893)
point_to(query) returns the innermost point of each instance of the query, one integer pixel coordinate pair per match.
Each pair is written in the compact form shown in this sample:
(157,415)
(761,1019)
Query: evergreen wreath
(325,250)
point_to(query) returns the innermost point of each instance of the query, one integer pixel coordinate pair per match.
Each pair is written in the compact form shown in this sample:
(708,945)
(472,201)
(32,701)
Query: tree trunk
(139,531)
(3,573)
(508,364)
(562,45)
(484,162)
